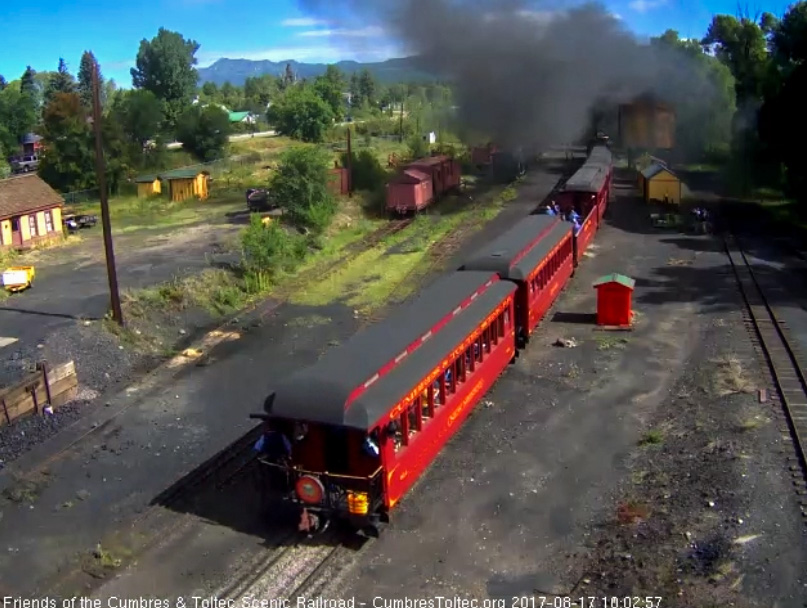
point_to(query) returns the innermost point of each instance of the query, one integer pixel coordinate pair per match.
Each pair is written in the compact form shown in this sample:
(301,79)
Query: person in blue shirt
(576,226)
(274,445)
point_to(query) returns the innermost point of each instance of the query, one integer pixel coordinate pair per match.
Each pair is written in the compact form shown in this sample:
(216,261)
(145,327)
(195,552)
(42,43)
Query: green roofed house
(148,185)
(244,117)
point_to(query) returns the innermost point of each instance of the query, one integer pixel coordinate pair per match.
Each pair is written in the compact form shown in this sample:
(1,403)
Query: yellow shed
(661,184)
(147,185)
(187,183)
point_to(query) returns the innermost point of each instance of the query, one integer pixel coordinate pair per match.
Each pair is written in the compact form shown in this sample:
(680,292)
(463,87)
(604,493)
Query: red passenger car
(409,192)
(348,436)
(584,191)
(537,255)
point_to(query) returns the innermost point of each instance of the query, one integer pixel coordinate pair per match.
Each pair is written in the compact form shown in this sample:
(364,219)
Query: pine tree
(28,83)
(61,81)
(88,63)
(3,83)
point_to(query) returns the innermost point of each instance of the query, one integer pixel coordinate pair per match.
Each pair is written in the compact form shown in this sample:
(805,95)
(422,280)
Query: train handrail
(302,471)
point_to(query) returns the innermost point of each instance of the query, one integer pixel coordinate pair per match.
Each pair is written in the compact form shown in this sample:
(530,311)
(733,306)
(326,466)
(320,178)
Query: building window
(32,224)
(49,221)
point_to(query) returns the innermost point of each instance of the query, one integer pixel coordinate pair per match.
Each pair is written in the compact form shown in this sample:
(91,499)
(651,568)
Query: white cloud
(365,32)
(303,22)
(642,6)
(617,16)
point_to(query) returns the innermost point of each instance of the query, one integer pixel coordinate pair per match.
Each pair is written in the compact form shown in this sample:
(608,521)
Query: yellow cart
(18,278)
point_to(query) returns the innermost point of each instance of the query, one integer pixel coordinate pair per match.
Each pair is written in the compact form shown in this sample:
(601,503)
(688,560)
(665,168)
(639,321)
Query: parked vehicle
(74,222)
(259,199)
(25,164)
(18,278)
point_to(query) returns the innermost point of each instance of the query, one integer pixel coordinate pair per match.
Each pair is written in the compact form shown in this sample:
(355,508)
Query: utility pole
(400,127)
(100,169)
(349,165)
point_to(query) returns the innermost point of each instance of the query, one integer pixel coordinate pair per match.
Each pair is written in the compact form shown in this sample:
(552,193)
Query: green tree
(702,90)
(139,114)
(17,117)
(204,132)
(329,87)
(165,66)
(210,91)
(85,69)
(70,161)
(30,89)
(300,184)
(367,88)
(301,114)
(3,83)
(259,91)
(60,81)
(741,44)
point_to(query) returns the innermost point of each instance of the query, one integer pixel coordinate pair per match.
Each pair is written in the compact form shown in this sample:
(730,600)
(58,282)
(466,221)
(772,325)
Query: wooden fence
(45,387)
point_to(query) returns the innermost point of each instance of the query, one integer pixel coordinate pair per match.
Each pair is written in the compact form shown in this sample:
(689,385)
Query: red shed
(445,172)
(614,296)
(409,191)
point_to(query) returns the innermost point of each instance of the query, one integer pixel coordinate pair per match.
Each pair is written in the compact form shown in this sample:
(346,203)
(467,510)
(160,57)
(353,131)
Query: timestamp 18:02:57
(591,601)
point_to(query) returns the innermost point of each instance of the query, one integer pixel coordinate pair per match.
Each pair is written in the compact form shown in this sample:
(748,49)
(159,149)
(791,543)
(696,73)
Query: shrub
(300,185)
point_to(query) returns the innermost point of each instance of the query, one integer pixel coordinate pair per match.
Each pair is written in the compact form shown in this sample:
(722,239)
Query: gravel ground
(707,516)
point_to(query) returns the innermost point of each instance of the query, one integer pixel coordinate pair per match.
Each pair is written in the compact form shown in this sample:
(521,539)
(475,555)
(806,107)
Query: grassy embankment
(221,291)
(363,282)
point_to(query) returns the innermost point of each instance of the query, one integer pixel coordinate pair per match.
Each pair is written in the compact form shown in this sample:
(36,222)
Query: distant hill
(236,71)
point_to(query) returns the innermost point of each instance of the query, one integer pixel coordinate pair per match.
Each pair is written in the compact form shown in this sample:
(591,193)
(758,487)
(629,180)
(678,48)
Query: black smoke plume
(521,75)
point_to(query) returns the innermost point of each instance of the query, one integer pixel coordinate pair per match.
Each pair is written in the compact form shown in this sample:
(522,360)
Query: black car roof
(321,392)
(516,253)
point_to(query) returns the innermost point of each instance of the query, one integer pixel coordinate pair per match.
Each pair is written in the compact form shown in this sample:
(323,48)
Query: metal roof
(615,278)
(409,176)
(238,116)
(516,253)
(183,173)
(651,171)
(326,391)
(146,179)
(588,178)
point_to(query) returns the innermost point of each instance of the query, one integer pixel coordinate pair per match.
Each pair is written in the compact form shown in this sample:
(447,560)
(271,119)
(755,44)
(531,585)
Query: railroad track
(295,569)
(223,468)
(784,362)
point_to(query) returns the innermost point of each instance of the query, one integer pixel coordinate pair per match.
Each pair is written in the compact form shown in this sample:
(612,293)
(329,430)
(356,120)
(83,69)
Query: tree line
(166,104)
(766,55)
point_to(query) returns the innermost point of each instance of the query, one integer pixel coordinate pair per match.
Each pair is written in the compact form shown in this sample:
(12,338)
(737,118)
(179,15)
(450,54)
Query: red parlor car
(537,256)
(347,437)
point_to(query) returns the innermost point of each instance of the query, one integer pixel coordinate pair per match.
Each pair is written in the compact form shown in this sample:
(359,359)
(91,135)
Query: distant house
(187,183)
(31,144)
(147,185)
(242,117)
(30,212)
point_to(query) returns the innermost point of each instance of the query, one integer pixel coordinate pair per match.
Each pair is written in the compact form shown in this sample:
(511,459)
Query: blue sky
(40,32)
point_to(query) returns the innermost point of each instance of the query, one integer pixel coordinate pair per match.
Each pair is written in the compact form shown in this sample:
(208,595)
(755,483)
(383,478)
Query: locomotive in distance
(347,437)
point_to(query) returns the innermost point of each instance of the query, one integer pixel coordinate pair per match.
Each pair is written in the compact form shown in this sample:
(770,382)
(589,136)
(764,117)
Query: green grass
(132,214)
(366,281)
(651,438)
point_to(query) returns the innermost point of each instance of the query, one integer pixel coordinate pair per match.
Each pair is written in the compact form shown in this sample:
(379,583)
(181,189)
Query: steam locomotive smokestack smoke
(521,75)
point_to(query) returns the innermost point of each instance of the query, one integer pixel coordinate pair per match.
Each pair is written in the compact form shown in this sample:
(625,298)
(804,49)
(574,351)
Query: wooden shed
(30,212)
(148,185)
(661,184)
(614,300)
(187,183)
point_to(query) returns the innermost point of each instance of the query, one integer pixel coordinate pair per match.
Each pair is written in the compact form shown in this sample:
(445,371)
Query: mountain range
(236,71)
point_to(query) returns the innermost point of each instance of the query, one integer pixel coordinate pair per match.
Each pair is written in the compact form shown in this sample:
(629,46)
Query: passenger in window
(370,445)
